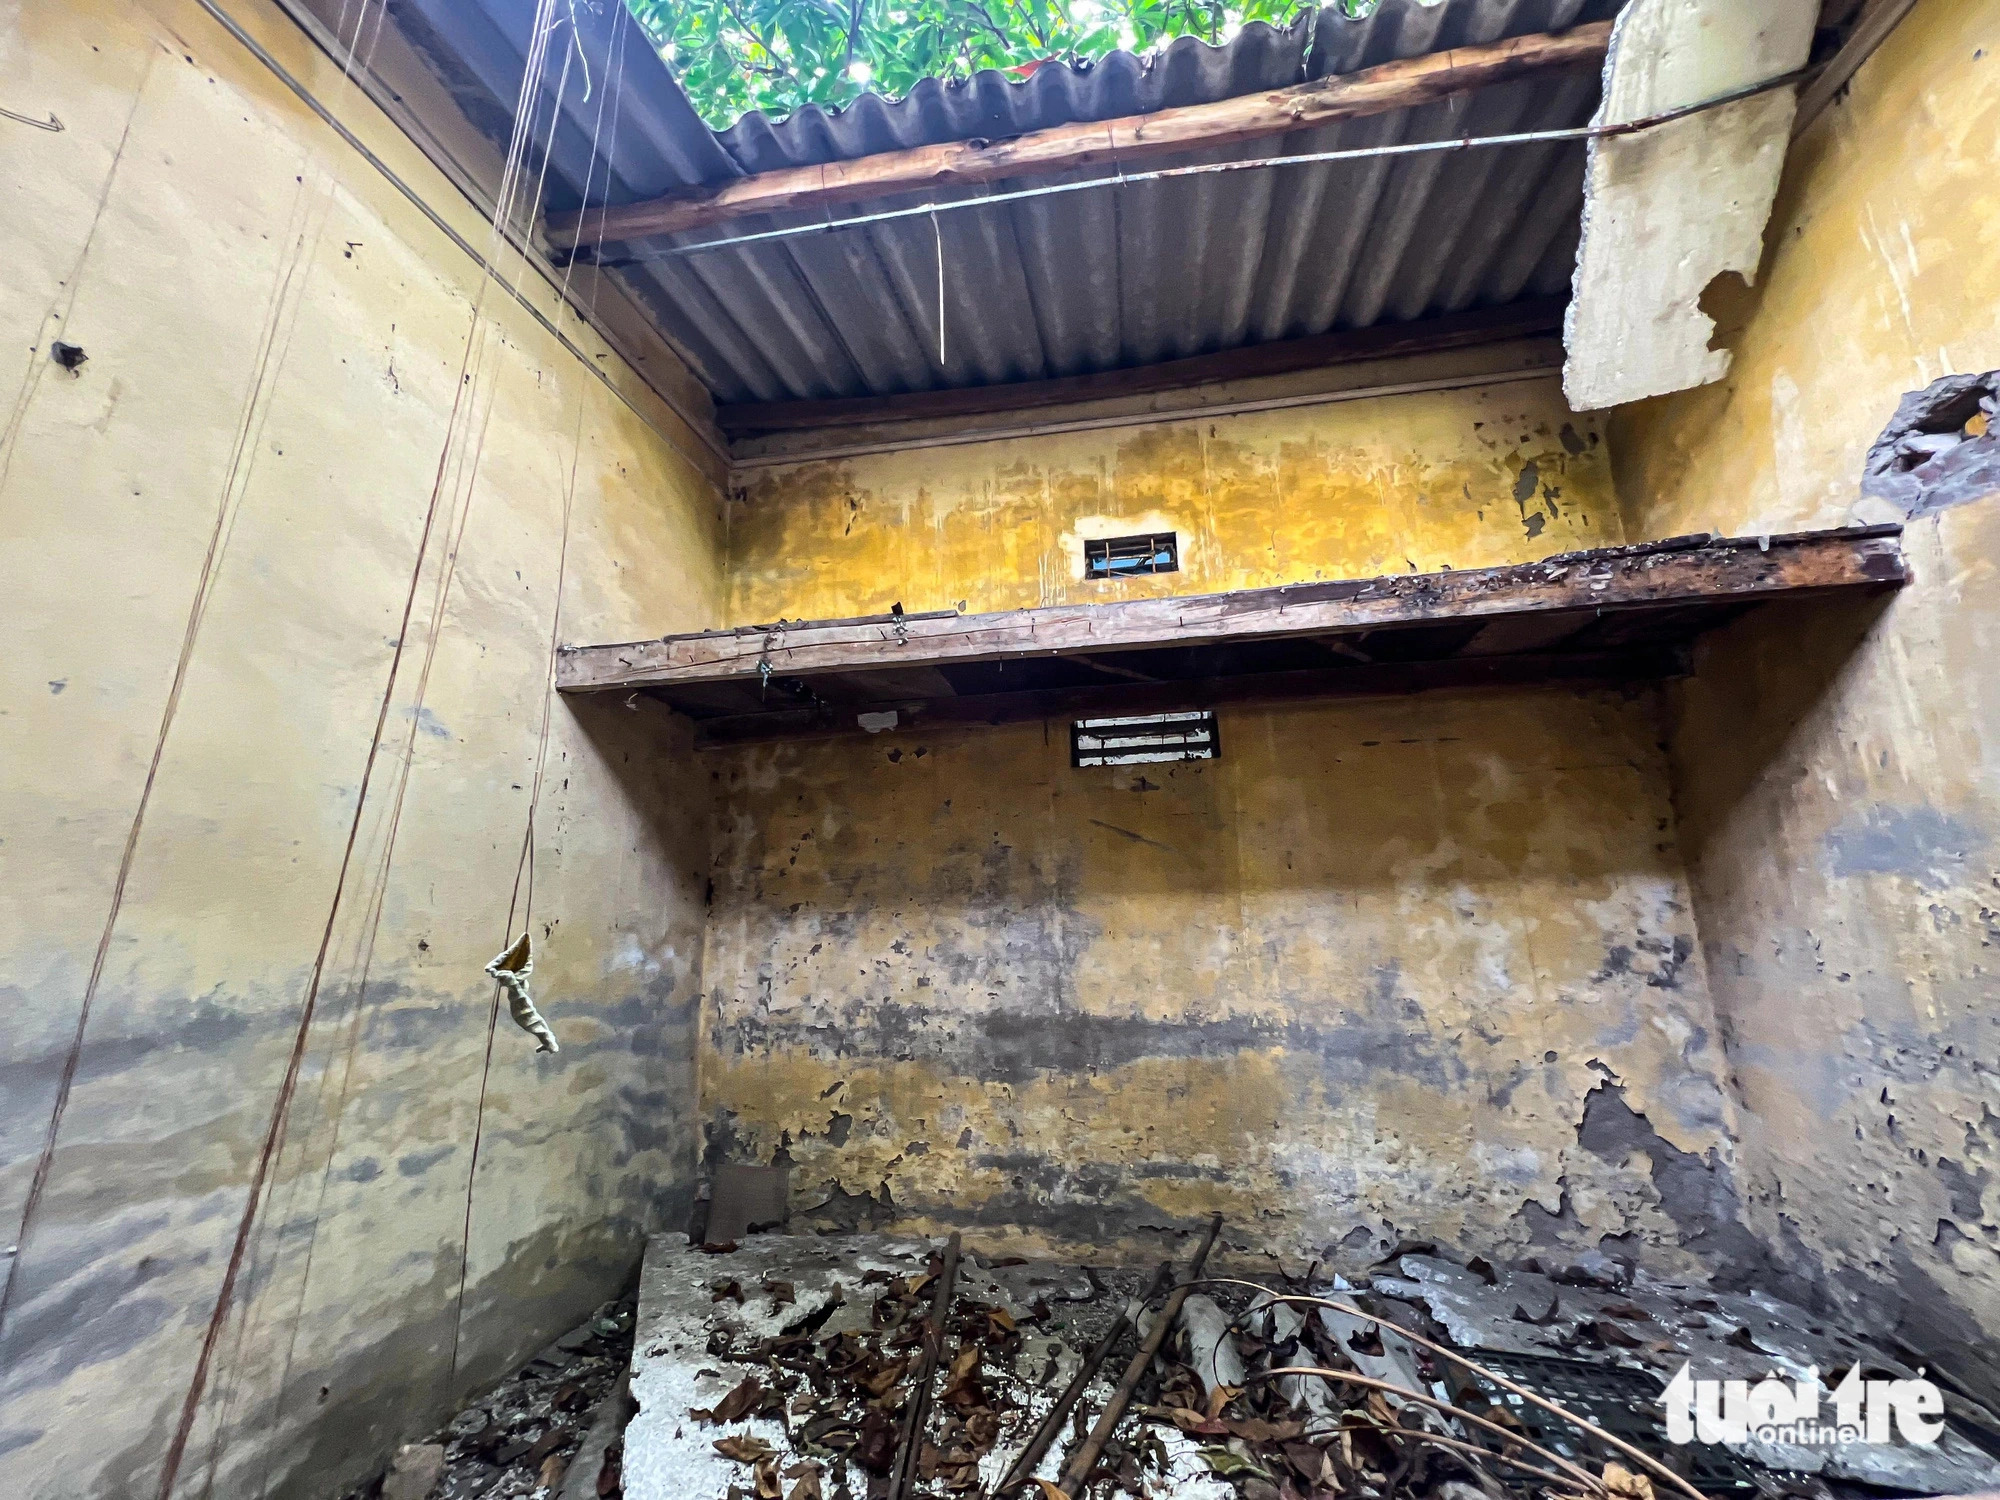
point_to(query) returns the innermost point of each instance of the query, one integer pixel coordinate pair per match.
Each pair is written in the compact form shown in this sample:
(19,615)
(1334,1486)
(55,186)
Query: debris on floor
(786,1368)
(548,1433)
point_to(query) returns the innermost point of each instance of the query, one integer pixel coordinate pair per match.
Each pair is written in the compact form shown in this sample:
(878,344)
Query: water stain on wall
(1442,479)
(1361,974)
(1837,777)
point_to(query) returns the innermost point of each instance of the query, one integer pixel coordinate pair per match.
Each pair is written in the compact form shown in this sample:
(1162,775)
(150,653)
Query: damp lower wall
(1419,968)
(1391,968)
(214,526)
(1837,779)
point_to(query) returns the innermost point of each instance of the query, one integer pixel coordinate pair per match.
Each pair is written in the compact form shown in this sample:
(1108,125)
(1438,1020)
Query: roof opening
(1118,556)
(1144,739)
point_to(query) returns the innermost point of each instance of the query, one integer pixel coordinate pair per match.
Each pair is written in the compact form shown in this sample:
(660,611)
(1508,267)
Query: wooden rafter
(1084,146)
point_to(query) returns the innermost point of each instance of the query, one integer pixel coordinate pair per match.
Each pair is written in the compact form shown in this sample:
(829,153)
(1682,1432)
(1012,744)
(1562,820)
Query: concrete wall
(1838,782)
(1368,975)
(1346,489)
(1398,967)
(213,529)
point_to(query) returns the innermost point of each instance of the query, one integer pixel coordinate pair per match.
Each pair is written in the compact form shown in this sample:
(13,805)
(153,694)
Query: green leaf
(1229,1464)
(732,56)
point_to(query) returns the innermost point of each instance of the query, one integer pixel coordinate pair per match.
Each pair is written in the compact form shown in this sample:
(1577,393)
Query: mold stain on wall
(1837,778)
(1372,974)
(275,336)
(1386,484)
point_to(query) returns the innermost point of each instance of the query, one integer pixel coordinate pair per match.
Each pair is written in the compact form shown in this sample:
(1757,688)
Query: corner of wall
(1837,769)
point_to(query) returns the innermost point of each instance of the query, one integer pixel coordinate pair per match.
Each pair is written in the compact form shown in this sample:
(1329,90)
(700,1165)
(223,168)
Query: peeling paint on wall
(1357,980)
(1387,484)
(1838,779)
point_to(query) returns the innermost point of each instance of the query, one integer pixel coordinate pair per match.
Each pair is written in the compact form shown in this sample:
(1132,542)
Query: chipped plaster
(1838,778)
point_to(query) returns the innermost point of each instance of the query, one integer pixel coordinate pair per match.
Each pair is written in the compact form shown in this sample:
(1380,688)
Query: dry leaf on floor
(1189,1420)
(744,1448)
(733,1407)
(1258,1430)
(1230,1464)
(1051,1491)
(1626,1485)
(1220,1397)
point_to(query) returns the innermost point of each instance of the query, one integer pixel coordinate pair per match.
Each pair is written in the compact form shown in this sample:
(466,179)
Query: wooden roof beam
(1101,143)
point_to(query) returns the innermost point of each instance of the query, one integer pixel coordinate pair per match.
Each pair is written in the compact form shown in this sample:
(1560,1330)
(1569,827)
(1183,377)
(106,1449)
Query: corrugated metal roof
(1080,282)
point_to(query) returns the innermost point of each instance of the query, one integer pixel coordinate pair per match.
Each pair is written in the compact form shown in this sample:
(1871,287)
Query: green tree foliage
(733,56)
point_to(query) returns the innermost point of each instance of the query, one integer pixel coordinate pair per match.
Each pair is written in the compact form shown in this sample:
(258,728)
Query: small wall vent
(1121,556)
(1144,739)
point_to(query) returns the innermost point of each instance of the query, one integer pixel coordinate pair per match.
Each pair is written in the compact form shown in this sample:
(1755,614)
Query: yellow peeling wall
(1398,967)
(1443,479)
(1839,781)
(212,531)
(1365,977)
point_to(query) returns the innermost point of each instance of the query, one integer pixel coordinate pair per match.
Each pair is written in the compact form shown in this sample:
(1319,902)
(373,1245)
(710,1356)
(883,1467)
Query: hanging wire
(457,480)
(938,234)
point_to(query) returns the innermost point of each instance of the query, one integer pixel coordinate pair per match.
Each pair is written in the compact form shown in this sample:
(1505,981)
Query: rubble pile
(520,1440)
(783,1370)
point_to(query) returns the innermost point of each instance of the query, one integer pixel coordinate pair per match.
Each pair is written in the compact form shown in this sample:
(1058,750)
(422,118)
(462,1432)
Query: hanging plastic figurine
(512,969)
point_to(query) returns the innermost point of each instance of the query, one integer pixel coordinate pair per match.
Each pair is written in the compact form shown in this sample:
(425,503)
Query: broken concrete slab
(1721,1335)
(416,1469)
(581,1474)
(1667,210)
(684,1306)
(1938,450)
(747,1197)
(688,1331)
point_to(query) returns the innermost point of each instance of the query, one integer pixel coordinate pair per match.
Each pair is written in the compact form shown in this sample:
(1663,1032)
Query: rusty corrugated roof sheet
(1081,282)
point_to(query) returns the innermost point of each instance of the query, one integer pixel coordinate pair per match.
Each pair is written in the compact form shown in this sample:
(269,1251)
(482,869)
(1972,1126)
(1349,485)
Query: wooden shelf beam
(1481,613)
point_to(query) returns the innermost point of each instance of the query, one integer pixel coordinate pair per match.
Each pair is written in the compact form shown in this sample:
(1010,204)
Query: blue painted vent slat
(1121,556)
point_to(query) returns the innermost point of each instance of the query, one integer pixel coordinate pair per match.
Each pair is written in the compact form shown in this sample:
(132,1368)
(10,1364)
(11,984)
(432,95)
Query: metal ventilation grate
(1118,556)
(1624,1402)
(1143,739)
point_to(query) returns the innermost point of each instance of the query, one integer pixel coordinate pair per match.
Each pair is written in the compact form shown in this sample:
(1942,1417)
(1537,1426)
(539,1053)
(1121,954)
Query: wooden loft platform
(1613,614)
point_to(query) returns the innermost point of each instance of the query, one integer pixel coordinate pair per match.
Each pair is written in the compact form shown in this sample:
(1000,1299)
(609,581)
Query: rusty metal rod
(1582,1478)
(910,1448)
(1085,1458)
(1023,1467)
